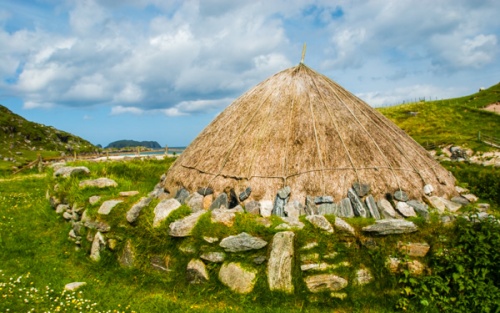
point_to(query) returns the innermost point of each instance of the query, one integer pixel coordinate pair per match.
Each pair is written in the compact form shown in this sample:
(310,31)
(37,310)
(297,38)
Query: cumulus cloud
(191,57)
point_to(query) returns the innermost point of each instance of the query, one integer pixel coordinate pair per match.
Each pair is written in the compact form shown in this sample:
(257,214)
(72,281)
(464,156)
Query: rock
(450,205)
(279,207)
(435,202)
(158,192)
(98,183)
(221,200)
(266,207)
(472,198)
(72,234)
(361,189)
(415,267)
(460,200)
(210,239)
(372,207)
(214,257)
(112,243)
(94,199)
(196,272)
(310,208)
(325,282)
(343,226)
(223,216)
(188,247)
(414,249)
(483,206)
(207,201)
(237,278)
(461,190)
(136,209)
(405,209)
(68,171)
(242,242)
(67,216)
(400,195)
(253,207)
(283,226)
(293,209)
(61,208)
(237,209)
(88,222)
(420,208)
(195,202)
(319,221)
(393,264)
(428,189)
(181,195)
(245,194)
(363,277)
(327,209)
(97,244)
(280,264)
(127,258)
(319,266)
(309,258)
(345,208)
(264,221)
(284,192)
(160,263)
(205,191)
(107,206)
(74,286)
(259,259)
(357,204)
(323,199)
(447,219)
(128,193)
(391,226)
(163,210)
(293,223)
(183,227)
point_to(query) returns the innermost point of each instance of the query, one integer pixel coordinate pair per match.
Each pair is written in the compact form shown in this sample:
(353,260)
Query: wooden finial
(303,53)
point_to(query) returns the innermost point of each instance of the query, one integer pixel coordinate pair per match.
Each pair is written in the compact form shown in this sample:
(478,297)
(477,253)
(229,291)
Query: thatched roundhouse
(300,129)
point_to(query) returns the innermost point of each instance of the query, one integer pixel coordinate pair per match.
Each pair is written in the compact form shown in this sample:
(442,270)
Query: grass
(34,247)
(453,121)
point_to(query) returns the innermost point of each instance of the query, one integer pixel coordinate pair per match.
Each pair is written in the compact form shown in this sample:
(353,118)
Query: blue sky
(162,70)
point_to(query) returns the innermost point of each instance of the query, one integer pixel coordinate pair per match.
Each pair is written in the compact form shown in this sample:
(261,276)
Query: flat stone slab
(325,282)
(391,226)
(136,209)
(405,209)
(342,225)
(214,257)
(195,202)
(280,264)
(102,182)
(107,206)
(416,249)
(386,209)
(435,202)
(450,205)
(68,171)
(184,227)
(163,209)
(128,193)
(237,278)
(319,221)
(223,216)
(242,242)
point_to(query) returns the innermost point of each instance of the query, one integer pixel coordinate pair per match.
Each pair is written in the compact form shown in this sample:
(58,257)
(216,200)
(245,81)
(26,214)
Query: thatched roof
(300,129)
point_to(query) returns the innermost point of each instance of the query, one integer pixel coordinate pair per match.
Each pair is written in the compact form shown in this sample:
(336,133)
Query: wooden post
(303,53)
(166,150)
(40,163)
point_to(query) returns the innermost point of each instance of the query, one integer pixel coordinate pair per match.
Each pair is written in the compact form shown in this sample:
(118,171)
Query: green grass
(34,245)
(452,121)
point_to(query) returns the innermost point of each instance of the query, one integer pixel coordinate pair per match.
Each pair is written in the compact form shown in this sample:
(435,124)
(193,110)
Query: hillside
(132,143)
(453,121)
(21,140)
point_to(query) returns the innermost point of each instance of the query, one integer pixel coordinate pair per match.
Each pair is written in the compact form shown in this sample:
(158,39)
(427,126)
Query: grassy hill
(453,121)
(21,141)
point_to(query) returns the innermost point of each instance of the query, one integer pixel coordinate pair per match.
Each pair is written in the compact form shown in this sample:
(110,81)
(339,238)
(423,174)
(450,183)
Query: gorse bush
(465,272)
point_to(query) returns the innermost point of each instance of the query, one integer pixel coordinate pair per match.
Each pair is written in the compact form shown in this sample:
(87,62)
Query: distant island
(120,144)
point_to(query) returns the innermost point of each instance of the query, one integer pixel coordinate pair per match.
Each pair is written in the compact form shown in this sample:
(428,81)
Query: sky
(162,70)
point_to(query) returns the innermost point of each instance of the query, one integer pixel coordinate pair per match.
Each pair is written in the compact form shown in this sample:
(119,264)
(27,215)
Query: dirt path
(494,107)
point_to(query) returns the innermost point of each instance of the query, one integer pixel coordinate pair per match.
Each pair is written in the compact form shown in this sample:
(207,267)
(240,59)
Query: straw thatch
(300,129)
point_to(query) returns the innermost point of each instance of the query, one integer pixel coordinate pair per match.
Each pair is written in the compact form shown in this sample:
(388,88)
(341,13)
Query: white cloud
(116,110)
